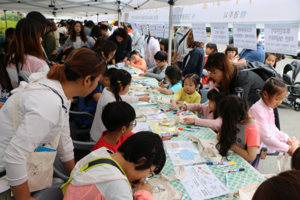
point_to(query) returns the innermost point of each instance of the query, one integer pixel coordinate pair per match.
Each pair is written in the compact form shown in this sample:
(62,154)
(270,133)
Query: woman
(194,61)
(151,46)
(43,114)
(95,33)
(49,42)
(121,38)
(108,50)
(77,38)
(233,79)
(99,43)
(25,55)
(115,27)
(55,32)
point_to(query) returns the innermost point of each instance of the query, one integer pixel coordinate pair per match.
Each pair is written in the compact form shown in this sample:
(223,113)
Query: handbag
(39,164)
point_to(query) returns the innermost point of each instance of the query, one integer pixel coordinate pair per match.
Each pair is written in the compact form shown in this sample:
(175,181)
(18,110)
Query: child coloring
(188,93)
(141,155)
(138,61)
(119,87)
(174,77)
(239,132)
(273,92)
(209,113)
(118,118)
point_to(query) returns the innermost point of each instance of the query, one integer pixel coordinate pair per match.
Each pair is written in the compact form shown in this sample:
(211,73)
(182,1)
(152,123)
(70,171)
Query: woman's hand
(144,98)
(189,120)
(113,62)
(1,104)
(125,59)
(183,107)
(142,186)
(54,52)
(65,49)
(183,56)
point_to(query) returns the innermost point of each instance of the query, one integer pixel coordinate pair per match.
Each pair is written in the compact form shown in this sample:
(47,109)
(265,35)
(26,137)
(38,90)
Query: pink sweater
(275,140)
(208,121)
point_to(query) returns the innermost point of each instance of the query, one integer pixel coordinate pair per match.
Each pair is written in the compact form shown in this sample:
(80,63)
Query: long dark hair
(107,48)
(82,32)
(95,32)
(232,110)
(119,77)
(25,41)
(296,160)
(121,33)
(217,95)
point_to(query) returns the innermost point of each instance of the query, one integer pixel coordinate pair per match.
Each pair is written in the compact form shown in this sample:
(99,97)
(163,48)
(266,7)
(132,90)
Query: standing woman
(121,38)
(77,38)
(25,55)
(108,50)
(151,46)
(49,42)
(55,32)
(95,33)
(43,113)
(194,61)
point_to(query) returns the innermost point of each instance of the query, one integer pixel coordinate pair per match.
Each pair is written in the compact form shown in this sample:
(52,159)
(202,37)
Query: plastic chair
(204,98)
(83,145)
(51,193)
(59,169)
(74,129)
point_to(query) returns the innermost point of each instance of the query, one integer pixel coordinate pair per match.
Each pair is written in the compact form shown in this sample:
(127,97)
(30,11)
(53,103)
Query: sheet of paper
(199,32)
(219,33)
(156,127)
(201,183)
(122,64)
(143,103)
(156,117)
(183,152)
(244,36)
(141,126)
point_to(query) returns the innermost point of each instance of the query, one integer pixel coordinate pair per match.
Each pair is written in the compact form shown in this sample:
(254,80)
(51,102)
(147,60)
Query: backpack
(265,71)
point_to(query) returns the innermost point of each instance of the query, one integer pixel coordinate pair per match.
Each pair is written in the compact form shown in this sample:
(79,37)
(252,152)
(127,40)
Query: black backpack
(265,71)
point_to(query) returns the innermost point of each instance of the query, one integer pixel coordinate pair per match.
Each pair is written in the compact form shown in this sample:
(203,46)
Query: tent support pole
(119,14)
(5,19)
(171,3)
(97,18)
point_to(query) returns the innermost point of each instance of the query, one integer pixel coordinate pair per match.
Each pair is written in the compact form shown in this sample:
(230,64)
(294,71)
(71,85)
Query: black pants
(276,115)
(180,65)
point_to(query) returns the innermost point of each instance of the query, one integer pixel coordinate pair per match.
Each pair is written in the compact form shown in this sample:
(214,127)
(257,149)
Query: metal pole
(5,19)
(97,18)
(171,2)
(119,14)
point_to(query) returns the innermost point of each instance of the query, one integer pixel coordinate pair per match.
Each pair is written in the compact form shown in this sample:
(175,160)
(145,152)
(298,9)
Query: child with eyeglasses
(119,119)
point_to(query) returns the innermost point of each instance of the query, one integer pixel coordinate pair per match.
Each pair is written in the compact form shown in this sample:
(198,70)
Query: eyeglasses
(151,174)
(133,124)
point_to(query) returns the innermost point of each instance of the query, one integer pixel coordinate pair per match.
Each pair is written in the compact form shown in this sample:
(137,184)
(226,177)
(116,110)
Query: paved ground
(289,121)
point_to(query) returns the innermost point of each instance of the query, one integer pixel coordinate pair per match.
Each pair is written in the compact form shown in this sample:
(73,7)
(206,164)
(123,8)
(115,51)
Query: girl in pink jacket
(274,91)
(209,113)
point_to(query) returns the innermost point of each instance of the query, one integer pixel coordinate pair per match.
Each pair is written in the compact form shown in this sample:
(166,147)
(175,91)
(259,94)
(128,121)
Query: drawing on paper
(156,189)
(172,145)
(197,194)
(187,155)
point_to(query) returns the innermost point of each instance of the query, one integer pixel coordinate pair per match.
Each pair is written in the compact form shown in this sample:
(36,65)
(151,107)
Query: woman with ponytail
(119,87)
(239,131)
(42,106)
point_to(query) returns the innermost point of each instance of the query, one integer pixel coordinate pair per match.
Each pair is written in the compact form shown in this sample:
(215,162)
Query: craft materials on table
(156,127)
(195,127)
(231,163)
(186,129)
(226,180)
(183,152)
(201,183)
(157,117)
(221,163)
(141,126)
(234,170)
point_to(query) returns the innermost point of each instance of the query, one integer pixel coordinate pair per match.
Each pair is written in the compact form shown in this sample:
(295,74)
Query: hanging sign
(244,36)
(199,32)
(219,33)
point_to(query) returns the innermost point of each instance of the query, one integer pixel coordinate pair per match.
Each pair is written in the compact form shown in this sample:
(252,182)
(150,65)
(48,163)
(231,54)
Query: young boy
(158,72)
(118,118)
(93,98)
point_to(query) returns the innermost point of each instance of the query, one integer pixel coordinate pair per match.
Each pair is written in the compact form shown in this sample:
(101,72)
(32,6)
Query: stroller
(293,86)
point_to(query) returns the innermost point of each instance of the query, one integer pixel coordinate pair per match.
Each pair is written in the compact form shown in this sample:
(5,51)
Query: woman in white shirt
(151,46)
(77,39)
(43,113)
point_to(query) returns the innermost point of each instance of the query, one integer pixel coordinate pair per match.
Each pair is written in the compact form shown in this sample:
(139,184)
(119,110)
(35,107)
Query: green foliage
(9,16)
(10,24)
(208,29)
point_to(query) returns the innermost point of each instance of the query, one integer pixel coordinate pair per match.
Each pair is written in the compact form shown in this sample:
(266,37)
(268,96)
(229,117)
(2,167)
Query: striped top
(32,65)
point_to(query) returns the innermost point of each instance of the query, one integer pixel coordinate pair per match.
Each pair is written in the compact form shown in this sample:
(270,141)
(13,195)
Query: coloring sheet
(141,126)
(183,152)
(157,117)
(149,110)
(200,183)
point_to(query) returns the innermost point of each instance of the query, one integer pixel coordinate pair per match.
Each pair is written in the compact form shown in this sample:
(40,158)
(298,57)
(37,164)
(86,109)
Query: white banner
(133,27)
(282,38)
(219,33)
(108,18)
(166,35)
(152,29)
(145,29)
(244,36)
(199,32)
(139,28)
(159,30)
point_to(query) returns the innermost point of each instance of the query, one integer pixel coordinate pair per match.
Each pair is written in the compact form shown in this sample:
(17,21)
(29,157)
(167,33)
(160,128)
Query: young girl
(231,51)
(271,59)
(138,61)
(118,118)
(173,76)
(239,132)
(210,49)
(189,92)
(119,87)
(209,113)
(114,175)
(273,92)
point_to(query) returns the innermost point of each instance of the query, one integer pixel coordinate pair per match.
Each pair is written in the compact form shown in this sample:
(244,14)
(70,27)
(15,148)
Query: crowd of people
(44,65)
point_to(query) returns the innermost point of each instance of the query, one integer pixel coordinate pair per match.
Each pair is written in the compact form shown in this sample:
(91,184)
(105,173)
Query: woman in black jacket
(194,61)
(233,79)
(121,38)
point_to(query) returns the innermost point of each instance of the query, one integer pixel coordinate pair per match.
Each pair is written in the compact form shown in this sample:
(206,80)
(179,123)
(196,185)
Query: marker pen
(145,180)
(184,197)
(234,170)
(186,129)
(170,134)
(226,180)
(219,163)
(227,164)
(194,127)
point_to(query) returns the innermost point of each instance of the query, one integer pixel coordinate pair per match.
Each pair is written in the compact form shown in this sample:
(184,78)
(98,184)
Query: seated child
(210,113)
(118,118)
(174,77)
(210,49)
(231,51)
(119,87)
(240,131)
(188,93)
(115,174)
(271,59)
(138,61)
(158,72)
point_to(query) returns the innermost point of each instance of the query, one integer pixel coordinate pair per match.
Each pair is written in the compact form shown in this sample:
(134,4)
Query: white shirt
(77,43)
(150,50)
(63,30)
(42,118)
(106,97)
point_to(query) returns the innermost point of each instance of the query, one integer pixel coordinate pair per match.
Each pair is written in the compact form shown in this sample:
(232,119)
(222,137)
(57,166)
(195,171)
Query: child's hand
(173,105)
(160,83)
(291,140)
(145,98)
(189,120)
(1,104)
(146,187)
(218,136)
(142,74)
(183,107)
